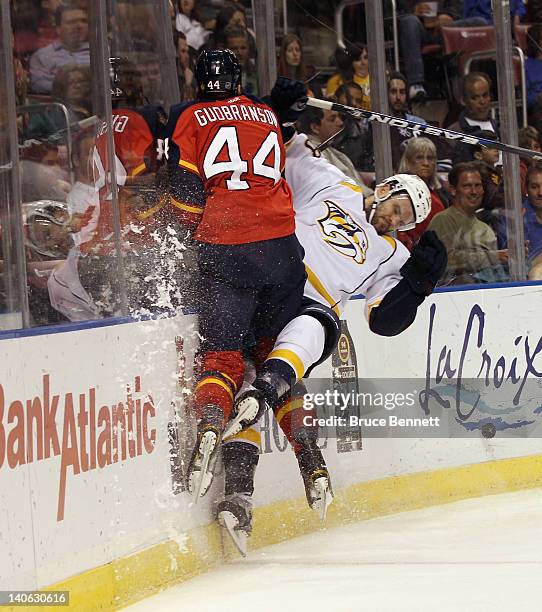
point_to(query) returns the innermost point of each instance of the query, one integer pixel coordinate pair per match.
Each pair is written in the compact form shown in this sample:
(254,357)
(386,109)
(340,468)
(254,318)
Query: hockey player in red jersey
(136,128)
(226,158)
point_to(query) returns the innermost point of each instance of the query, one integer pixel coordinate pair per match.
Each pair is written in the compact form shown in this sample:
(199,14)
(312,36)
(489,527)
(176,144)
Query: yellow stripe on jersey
(291,358)
(230,379)
(214,381)
(183,206)
(287,408)
(351,186)
(189,166)
(138,170)
(251,435)
(318,285)
(148,213)
(391,240)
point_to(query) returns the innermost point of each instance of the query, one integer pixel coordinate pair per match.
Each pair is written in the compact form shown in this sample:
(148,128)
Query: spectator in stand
(532,221)
(420,158)
(71,87)
(357,139)
(149,77)
(231,14)
(397,100)
(533,75)
(353,65)
(185,67)
(71,48)
(417,27)
(188,22)
(482,8)
(237,39)
(492,180)
(476,116)
(528,138)
(320,125)
(473,254)
(291,64)
(43,176)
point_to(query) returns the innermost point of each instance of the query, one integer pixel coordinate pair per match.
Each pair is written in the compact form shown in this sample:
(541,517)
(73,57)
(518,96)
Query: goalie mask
(218,74)
(404,185)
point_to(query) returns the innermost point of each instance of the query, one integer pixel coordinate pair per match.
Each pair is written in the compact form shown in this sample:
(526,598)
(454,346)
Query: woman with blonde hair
(420,158)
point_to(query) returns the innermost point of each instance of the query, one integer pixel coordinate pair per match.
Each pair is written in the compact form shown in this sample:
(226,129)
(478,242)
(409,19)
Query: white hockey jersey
(344,255)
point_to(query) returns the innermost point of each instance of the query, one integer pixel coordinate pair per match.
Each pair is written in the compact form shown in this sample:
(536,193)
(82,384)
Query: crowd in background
(56,119)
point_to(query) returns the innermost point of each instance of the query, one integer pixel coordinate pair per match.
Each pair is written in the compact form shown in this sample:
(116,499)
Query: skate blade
(324,497)
(247,411)
(201,479)
(239,537)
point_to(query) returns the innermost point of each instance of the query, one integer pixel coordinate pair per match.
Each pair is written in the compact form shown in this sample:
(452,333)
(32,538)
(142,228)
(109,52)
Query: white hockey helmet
(43,213)
(408,184)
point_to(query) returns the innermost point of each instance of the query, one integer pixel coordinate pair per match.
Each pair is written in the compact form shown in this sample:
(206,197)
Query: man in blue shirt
(532,219)
(482,8)
(71,48)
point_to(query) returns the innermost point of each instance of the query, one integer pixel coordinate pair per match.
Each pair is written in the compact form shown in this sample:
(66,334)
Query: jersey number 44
(265,164)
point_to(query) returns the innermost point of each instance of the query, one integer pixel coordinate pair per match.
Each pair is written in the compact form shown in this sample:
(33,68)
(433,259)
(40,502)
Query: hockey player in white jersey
(346,253)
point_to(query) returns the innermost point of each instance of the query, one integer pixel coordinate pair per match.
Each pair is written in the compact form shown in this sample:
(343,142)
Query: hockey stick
(327,143)
(419,129)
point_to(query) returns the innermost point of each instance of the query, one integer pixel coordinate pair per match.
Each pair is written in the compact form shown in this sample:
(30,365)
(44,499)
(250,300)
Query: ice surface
(475,555)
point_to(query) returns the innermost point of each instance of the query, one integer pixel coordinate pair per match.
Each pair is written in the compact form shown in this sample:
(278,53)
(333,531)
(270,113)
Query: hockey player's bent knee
(331,325)
(308,339)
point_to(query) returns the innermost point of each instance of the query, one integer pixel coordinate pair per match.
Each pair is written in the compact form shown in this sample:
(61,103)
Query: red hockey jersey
(235,147)
(134,136)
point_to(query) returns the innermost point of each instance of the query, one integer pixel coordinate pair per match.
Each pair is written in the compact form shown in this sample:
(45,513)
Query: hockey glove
(289,99)
(426,264)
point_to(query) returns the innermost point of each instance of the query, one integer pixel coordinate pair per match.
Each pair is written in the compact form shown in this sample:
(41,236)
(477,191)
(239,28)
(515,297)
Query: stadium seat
(460,43)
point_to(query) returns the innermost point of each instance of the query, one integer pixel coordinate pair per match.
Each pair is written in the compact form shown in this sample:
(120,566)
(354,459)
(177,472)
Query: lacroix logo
(89,437)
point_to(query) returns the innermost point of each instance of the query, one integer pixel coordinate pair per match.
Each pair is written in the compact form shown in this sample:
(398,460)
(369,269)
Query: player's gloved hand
(426,264)
(289,99)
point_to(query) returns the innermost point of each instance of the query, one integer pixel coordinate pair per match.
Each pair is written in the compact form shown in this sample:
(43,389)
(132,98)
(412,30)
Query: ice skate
(247,409)
(200,469)
(315,478)
(235,516)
